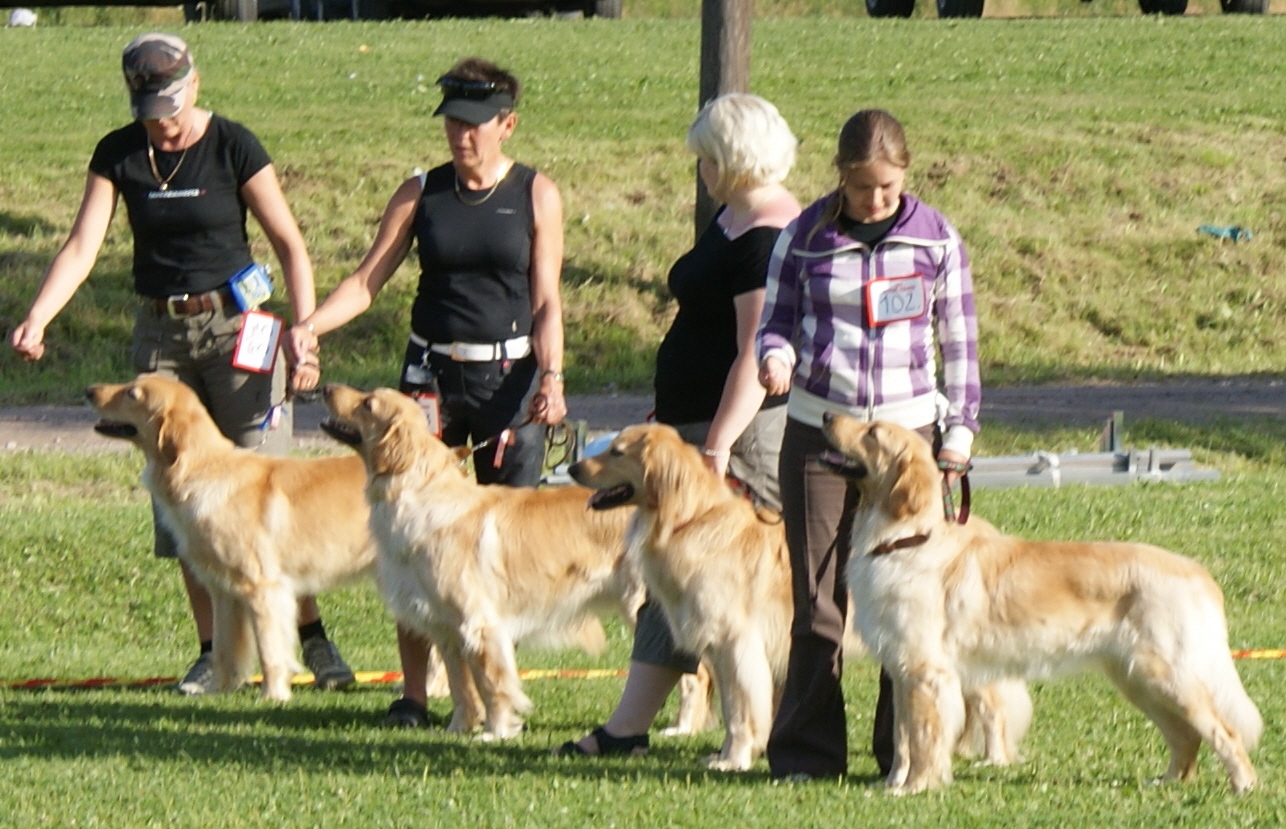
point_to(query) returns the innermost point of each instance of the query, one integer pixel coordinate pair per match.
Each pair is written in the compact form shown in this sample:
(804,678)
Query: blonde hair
(747,139)
(868,136)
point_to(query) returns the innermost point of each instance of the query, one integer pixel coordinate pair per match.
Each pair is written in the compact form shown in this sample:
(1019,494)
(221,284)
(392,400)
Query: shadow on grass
(13,224)
(314,733)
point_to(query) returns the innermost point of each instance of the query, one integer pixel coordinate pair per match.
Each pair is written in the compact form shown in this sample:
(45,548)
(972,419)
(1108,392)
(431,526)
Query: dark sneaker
(200,677)
(407,713)
(329,670)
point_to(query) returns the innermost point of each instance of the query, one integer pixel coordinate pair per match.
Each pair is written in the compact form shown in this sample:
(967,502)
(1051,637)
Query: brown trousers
(809,735)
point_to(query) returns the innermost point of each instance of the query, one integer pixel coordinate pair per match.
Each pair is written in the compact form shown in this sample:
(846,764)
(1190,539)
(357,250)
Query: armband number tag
(894,299)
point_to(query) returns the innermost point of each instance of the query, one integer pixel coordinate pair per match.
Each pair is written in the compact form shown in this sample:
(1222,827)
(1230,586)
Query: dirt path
(70,428)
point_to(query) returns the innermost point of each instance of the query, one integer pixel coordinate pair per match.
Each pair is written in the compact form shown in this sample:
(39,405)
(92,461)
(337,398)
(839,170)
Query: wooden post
(725,67)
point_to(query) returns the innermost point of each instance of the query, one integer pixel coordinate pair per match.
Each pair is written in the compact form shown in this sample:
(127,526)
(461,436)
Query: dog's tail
(1214,666)
(1233,703)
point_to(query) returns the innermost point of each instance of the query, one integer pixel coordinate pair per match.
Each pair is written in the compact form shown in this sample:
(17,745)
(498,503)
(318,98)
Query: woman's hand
(951,475)
(774,376)
(303,353)
(28,340)
(548,406)
(300,344)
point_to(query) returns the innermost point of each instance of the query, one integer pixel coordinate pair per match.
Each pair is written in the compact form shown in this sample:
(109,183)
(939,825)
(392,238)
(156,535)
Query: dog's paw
(717,762)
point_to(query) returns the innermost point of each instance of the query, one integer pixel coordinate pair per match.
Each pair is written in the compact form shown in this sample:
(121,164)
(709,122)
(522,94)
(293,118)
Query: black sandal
(607,745)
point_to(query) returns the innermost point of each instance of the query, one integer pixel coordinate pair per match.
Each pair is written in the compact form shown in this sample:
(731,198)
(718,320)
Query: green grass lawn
(82,598)
(1077,156)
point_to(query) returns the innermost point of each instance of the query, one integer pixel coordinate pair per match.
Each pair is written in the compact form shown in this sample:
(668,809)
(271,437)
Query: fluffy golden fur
(478,568)
(967,605)
(719,571)
(257,531)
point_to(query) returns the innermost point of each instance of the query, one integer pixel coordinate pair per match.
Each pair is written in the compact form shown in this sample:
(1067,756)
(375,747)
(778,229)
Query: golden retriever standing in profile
(478,568)
(946,606)
(257,531)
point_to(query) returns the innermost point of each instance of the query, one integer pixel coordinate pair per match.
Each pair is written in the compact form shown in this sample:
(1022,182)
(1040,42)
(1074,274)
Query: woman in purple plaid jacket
(870,313)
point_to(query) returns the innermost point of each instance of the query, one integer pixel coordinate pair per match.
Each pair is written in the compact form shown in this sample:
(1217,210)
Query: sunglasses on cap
(470,90)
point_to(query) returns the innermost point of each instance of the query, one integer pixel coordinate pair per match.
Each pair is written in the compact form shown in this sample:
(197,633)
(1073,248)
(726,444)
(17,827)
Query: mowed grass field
(82,598)
(1078,157)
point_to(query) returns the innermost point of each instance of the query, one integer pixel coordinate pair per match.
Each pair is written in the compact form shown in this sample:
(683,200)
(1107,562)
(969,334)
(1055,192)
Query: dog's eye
(135,393)
(615,452)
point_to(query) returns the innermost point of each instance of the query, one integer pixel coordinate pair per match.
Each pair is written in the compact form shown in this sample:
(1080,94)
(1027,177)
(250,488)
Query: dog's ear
(664,472)
(394,451)
(915,486)
(173,426)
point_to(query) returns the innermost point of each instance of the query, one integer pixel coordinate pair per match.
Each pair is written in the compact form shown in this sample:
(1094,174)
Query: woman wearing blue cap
(187,177)
(485,355)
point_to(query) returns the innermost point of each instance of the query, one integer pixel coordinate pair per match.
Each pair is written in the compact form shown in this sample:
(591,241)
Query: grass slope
(1077,156)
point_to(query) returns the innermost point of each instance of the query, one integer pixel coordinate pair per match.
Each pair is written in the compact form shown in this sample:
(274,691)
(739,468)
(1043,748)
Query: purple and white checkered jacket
(815,320)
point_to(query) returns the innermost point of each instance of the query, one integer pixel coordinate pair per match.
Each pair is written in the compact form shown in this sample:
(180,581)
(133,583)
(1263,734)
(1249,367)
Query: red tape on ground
(363,678)
(389,677)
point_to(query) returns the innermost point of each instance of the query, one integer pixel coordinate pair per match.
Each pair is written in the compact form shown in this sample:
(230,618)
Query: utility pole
(725,67)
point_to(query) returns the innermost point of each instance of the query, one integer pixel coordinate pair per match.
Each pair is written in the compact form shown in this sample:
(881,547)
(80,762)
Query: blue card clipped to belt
(251,286)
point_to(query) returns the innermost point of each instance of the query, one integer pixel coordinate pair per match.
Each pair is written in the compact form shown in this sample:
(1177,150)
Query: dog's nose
(89,393)
(328,390)
(827,418)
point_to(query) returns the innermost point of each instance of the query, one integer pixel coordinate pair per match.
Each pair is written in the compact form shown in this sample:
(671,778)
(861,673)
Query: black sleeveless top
(475,259)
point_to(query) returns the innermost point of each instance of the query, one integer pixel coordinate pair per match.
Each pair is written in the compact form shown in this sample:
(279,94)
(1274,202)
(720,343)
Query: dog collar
(901,544)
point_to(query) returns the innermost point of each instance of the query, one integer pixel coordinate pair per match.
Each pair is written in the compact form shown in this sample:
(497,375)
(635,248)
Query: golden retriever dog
(946,606)
(721,572)
(257,531)
(479,568)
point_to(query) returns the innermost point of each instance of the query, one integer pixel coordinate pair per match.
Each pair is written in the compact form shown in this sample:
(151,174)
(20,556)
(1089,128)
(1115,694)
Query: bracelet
(549,372)
(715,453)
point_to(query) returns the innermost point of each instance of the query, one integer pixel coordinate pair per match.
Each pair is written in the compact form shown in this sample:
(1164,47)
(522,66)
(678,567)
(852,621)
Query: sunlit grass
(1077,156)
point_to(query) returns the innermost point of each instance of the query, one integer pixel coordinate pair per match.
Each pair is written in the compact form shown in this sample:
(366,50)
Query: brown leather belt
(187,305)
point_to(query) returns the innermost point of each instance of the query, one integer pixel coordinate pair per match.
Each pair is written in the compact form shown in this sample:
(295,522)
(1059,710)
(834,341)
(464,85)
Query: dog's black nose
(827,417)
(89,393)
(327,390)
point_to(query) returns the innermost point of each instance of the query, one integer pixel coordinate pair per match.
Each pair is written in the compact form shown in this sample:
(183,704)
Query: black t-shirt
(190,237)
(475,259)
(697,353)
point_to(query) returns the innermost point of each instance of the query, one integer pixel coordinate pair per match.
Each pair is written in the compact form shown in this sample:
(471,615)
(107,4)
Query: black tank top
(475,259)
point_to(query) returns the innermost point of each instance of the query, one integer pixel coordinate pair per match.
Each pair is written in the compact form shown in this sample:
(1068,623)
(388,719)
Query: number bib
(895,299)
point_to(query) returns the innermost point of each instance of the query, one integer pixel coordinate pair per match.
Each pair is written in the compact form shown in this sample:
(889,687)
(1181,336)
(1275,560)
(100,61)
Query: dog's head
(643,464)
(158,414)
(387,428)
(891,465)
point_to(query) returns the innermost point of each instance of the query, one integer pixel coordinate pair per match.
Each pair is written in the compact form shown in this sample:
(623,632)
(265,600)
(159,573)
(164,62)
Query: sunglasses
(470,90)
